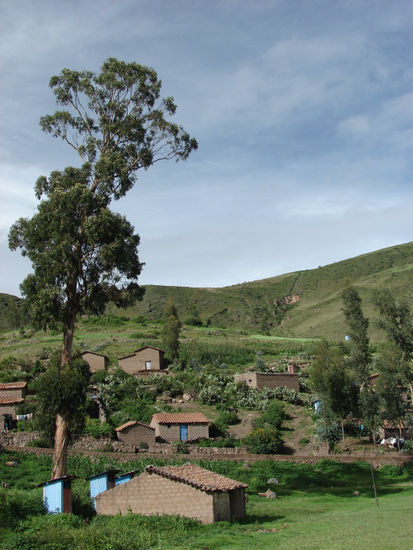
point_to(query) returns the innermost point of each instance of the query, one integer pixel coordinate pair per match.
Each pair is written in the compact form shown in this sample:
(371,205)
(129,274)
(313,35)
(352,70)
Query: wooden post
(374,484)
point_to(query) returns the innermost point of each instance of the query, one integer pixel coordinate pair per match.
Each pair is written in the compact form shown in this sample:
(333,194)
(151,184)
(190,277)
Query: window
(147,365)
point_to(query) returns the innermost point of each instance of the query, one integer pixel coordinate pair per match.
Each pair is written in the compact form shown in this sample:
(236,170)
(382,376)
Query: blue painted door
(183,432)
(53,497)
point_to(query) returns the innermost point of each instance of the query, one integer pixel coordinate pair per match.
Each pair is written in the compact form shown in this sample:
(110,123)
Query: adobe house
(171,427)
(8,407)
(96,361)
(262,380)
(133,433)
(13,390)
(143,361)
(57,495)
(187,490)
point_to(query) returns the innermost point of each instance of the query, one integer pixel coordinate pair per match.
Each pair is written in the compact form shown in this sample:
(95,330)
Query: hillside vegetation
(299,304)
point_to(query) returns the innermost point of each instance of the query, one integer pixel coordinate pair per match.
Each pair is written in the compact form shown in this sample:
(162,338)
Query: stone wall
(17,439)
(151,494)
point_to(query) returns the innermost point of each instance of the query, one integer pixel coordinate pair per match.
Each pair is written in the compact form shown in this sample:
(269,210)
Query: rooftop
(132,423)
(13,385)
(197,477)
(180,418)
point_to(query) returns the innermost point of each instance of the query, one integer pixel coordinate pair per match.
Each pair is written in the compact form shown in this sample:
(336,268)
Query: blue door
(183,432)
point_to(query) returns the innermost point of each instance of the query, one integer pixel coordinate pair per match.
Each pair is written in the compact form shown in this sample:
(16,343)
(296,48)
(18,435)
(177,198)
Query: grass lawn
(314,521)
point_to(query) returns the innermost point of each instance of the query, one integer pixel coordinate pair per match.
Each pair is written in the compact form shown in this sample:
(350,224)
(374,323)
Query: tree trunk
(342,433)
(60,446)
(61,438)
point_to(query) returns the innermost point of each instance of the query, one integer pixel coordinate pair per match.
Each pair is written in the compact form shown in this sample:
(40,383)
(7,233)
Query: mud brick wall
(276,380)
(171,432)
(12,393)
(151,494)
(134,435)
(260,380)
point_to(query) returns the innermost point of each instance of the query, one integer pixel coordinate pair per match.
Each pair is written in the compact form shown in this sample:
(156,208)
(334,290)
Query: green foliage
(360,357)
(259,362)
(329,433)
(181,447)
(264,441)
(96,429)
(62,390)
(273,415)
(170,332)
(17,505)
(396,321)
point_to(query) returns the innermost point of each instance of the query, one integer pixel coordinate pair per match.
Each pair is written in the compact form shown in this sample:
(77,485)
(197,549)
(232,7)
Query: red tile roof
(132,423)
(13,385)
(197,477)
(180,418)
(11,401)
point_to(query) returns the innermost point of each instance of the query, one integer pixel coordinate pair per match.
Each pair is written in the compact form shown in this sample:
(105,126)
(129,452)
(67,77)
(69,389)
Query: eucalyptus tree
(360,357)
(83,254)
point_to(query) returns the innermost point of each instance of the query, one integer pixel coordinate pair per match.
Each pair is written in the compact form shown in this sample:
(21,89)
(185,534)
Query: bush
(181,447)
(17,505)
(143,445)
(263,441)
(97,430)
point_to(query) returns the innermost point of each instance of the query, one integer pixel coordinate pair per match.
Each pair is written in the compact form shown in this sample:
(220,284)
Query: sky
(302,109)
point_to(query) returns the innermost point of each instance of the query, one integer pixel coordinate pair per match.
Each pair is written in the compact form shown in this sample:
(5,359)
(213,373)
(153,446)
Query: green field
(315,509)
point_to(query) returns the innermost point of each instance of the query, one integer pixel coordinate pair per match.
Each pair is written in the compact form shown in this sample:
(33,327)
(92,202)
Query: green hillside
(9,312)
(301,304)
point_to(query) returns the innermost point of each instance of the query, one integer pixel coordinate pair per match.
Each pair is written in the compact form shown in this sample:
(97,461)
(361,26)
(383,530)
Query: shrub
(17,505)
(181,447)
(143,445)
(264,441)
(96,429)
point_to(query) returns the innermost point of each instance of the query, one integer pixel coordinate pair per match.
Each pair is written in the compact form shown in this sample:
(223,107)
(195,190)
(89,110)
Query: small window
(147,365)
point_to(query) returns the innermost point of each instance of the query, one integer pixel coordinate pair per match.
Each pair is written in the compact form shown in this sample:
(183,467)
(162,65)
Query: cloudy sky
(302,110)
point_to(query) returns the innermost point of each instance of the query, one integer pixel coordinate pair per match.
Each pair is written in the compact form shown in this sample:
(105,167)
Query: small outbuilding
(172,427)
(133,433)
(96,361)
(57,495)
(262,380)
(101,482)
(144,361)
(187,490)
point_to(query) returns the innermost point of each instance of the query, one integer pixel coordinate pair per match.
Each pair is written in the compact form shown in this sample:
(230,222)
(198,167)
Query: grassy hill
(299,304)
(9,312)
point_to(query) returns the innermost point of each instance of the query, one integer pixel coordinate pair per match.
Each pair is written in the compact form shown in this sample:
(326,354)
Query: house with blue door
(57,495)
(170,427)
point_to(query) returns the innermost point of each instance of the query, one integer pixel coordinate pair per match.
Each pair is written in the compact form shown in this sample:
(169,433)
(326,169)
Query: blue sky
(302,110)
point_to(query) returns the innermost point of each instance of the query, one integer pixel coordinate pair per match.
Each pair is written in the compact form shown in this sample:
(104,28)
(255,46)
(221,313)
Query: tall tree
(396,321)
(333,385)
(83,254)
(171,329)
(360,357)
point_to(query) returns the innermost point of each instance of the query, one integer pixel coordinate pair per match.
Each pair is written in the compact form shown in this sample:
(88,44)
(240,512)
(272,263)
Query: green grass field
(315,509)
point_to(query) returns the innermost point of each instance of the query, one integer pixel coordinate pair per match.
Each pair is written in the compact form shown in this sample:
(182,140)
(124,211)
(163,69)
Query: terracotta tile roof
(197,477)
(13,385)
(11,401)
(180,418)
(132,423)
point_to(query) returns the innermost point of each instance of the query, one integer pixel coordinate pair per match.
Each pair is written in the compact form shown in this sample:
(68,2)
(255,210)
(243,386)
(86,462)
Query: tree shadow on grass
(259,518)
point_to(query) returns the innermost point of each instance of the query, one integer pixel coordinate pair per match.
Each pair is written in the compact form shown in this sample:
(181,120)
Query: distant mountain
(302,304)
